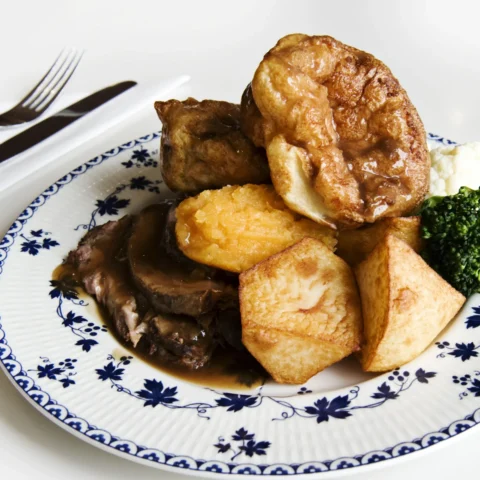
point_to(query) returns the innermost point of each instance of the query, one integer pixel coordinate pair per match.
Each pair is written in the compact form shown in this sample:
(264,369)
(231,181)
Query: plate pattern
(155,393)
(244,443)
(81,328)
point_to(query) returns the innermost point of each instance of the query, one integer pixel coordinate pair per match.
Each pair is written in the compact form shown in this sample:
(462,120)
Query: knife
(42,130)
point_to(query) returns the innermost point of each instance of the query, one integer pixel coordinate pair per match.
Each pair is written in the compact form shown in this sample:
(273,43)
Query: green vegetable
(451,229)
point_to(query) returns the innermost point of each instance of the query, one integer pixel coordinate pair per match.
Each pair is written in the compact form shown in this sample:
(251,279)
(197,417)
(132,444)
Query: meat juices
(169,287)
(170,307)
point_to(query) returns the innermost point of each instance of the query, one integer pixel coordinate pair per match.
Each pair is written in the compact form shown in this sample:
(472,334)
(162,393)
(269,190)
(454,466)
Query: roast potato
(405,305)
(203,146)
(354,245)
(300,311)
(236,227)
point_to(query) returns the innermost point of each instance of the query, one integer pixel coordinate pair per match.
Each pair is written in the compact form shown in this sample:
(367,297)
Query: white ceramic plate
(56,351)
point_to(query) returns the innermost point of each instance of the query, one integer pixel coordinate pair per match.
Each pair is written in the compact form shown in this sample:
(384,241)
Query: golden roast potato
(405,305)
(300,311)
(354,245)
(236,227)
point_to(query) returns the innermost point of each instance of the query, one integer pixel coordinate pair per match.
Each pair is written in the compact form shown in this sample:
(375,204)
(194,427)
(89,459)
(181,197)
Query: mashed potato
(454,166)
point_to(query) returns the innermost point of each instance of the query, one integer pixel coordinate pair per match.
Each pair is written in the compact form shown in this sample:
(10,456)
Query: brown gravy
(228,369)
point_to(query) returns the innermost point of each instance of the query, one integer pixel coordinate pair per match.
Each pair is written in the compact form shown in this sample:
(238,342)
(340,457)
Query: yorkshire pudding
(344,143)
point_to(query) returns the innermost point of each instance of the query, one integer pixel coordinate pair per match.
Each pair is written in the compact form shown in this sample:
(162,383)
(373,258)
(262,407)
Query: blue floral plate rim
(60,415)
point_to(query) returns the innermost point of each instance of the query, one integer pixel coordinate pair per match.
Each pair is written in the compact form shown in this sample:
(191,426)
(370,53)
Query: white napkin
(82,131)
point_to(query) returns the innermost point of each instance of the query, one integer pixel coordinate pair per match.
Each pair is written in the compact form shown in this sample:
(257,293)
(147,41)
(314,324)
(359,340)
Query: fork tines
(46,90)
(43,94)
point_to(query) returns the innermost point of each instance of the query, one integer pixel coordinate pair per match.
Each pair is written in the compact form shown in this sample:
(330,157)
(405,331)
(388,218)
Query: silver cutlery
(44,129)
(46,90)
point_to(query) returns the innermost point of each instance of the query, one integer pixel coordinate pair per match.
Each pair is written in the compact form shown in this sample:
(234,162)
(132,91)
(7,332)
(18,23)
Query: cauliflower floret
(454,166)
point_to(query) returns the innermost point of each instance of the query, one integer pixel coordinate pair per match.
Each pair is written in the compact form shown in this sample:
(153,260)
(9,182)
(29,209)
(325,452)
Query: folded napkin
(80,132)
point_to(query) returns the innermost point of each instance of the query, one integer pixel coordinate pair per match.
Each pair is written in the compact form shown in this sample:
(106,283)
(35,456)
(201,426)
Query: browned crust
(355,245)
(264,267)
(384,249)
(251,119)
(202,146)
(367,361)
(354,212)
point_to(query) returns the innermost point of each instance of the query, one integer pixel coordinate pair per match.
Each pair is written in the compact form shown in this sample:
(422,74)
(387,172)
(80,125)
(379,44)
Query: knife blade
(44,129)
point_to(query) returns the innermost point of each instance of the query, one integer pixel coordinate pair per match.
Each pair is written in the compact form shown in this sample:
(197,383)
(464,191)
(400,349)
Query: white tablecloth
(433,47)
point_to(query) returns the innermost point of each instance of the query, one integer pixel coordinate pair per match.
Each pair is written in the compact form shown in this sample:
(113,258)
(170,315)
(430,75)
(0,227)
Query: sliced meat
(169,285)
(161,303)
(228,328)
(100,268)
(179,339)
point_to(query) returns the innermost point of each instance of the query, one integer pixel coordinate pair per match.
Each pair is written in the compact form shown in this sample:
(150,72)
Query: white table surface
(433,47)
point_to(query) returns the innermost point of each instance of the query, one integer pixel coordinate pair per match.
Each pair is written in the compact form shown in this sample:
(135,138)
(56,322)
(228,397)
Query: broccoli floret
(451,229)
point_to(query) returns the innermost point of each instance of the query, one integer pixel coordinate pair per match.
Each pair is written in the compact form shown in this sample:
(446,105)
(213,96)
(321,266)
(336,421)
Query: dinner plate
(56,349)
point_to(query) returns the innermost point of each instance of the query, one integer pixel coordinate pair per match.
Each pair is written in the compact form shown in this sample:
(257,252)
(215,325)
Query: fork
(46,90)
